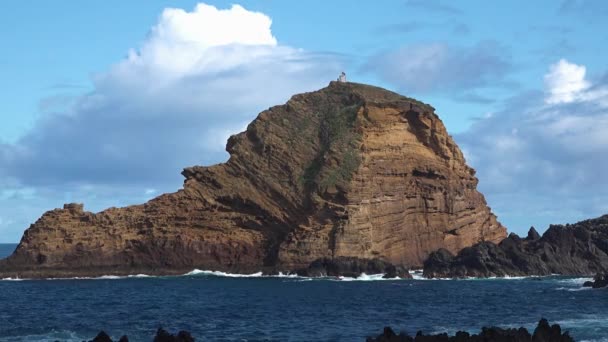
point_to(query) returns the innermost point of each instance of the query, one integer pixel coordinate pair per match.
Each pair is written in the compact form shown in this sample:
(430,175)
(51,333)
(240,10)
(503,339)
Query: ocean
(217,307)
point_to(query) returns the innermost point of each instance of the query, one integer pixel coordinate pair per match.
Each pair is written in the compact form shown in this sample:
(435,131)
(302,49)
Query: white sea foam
(223,274)
(504,278)
(364,277)
(12,279)
(573,289)
(575,281)
(104,277)
(107,277)
(140,276)
(417,275)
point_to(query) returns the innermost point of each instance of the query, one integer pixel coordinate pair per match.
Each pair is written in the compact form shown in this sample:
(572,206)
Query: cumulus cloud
(198,77)
(442,67)
(565,82)
(197,73)
(540,160)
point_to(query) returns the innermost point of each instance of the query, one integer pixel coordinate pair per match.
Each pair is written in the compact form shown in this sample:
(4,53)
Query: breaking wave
(415,275)
(573,289)
(362,277)
(196,272)
(575,281)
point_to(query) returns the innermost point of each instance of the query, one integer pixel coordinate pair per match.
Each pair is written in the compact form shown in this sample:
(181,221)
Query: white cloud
(184,42)
(544,152)
(565,82)
(195,79)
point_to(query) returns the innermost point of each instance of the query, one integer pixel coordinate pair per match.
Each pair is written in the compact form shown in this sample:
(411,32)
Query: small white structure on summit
(342,77)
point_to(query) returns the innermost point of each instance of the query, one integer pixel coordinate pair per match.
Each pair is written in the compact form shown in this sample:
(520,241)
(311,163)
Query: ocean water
(215,307)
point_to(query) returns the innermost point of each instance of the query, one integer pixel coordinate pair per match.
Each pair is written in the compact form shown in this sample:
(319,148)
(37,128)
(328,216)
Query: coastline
(114,273)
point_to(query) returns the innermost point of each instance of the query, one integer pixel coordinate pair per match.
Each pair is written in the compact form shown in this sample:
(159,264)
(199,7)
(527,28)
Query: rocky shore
(573,249)
(543,333)
(352,267)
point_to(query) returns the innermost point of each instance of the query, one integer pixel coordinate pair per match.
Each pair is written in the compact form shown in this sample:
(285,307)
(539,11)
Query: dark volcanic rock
(161,336)
(349,170)
(352,267)
(102,337)
(164,336)
(600,280)
(543,333)
(577,249)
(533,234)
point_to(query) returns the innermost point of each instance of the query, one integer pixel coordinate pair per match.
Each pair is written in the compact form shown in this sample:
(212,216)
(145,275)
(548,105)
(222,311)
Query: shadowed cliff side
(347,171)
(573,249)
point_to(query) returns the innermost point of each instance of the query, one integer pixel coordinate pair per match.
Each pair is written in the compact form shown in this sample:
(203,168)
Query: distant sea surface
(214,307)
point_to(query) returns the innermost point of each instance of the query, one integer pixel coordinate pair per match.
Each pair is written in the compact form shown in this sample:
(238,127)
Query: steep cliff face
(347,171)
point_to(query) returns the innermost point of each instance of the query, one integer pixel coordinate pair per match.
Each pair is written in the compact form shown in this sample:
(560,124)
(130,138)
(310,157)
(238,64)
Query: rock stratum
(350,170)
(573,249)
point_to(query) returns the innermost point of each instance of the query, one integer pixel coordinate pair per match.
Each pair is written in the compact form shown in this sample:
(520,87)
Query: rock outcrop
(543,333)
(353,268)
(347,171)
(599,281)
(161,336)
(576,249)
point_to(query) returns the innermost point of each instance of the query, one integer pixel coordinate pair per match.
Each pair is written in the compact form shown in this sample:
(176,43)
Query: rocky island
(350,170)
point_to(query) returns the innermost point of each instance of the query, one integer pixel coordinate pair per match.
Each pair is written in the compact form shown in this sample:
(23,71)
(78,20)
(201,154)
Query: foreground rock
(347,171)
(161,336)
(600,280)
(577,249)
(543,333)
(353,268)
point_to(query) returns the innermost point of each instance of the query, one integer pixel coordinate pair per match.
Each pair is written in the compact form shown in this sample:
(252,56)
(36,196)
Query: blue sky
(104,103)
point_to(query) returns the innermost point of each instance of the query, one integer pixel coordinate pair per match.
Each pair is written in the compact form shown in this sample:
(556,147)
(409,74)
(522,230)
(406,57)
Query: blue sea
(217,307)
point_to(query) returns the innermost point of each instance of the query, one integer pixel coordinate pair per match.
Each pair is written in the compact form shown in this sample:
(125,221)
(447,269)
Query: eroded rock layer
(347,171)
